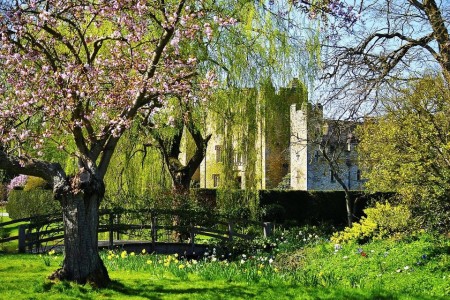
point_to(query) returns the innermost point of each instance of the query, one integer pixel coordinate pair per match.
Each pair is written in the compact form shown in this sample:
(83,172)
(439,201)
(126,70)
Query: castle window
(332,177)
(216,179)
(358,175)
(218,153)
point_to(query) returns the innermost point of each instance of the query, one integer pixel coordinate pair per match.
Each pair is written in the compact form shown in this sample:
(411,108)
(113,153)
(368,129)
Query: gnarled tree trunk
(82,262)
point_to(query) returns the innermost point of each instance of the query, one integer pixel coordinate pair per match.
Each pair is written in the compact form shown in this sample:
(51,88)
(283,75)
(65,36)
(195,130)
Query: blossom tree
(78,73)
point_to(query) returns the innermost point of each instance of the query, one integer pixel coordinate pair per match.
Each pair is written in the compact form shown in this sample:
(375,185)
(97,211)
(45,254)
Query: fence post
(22,238)
(192,237)
(154,232)
(267,229)
(118,226)
(230,231)
(111,231)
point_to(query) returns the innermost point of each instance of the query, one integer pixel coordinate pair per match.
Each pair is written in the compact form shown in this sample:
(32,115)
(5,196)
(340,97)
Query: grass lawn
(300,265)
(24,277)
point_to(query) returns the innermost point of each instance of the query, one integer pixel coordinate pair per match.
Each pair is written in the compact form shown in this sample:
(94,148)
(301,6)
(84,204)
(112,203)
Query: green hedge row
(303,207)
(24,204)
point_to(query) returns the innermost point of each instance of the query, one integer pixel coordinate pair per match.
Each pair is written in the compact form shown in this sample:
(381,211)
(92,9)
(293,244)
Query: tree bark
(82,262)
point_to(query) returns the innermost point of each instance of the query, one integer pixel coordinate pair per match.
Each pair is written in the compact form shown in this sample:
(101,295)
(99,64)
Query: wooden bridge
(156,230)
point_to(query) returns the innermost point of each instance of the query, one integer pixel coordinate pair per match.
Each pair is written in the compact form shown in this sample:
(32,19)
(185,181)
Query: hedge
(24,204)
(303,207)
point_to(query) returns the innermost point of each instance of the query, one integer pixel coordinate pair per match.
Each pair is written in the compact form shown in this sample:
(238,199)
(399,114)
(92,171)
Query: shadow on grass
(158,292)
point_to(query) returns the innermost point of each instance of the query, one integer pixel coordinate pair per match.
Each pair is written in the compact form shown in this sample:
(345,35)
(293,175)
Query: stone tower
(299,147)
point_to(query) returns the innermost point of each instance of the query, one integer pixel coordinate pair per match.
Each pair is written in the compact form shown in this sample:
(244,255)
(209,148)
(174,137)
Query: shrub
(241,204)
(381,221)
(274,213)
(24,204)
(35,183)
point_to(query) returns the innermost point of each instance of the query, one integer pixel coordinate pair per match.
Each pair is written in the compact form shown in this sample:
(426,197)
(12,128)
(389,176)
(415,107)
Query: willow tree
(244,56)
(83,70)
(279,44)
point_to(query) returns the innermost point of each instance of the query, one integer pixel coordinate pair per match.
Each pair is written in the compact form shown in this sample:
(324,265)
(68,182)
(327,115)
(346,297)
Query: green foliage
(384,269)
(407,150)
(136,174)
(35,183)
(274,213)
(242,204)
(309,207)
(381,221)
(3,193)
(24,204)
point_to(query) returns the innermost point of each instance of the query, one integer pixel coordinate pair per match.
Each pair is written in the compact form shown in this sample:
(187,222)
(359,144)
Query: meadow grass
(24,277)
(414,268)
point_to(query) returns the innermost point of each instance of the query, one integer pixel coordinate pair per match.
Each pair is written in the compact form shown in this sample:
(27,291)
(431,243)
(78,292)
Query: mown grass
(411,268)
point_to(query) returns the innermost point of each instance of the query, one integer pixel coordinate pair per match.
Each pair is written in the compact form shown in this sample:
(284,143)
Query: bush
(240,204)
(24,204)
(274,213)
(35,183)
(381,221)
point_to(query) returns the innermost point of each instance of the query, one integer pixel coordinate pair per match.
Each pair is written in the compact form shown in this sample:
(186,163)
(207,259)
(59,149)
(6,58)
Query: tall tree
(406,150)
(82,70)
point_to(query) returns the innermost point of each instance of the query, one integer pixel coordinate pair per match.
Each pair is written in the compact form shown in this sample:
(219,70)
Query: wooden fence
(154,227)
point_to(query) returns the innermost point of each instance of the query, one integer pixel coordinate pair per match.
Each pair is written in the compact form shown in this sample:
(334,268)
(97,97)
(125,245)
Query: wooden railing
(152,226)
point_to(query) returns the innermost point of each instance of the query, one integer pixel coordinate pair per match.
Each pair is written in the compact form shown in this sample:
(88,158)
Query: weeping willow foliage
(254,59)
(137,176)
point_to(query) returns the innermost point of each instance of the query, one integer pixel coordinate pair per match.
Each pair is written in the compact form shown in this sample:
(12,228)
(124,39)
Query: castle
(284,149)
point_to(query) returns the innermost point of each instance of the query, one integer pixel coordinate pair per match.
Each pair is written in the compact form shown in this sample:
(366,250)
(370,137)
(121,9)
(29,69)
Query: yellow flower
(132,254)
(276,270)
(261,266)
(259,272)
(166,264)
(176,255)
(181,267)
(143,251)
(176,261)
(110,257)
(123,254)
(51,252)
(149,262)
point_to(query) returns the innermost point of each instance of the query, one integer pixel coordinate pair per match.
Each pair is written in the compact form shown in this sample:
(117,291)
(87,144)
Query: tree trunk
(181,186)
(82,262)
(348,203)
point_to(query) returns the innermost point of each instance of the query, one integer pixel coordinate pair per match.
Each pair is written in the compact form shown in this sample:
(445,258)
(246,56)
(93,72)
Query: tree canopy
(407,150)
